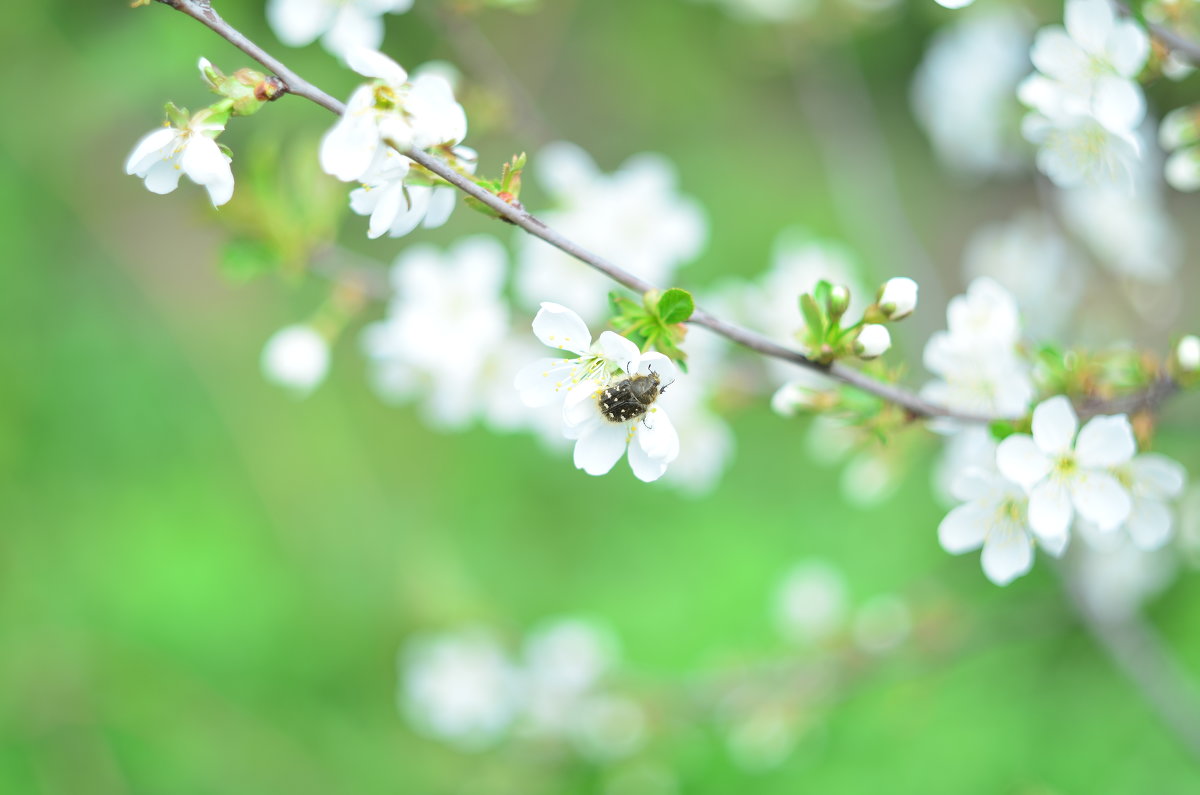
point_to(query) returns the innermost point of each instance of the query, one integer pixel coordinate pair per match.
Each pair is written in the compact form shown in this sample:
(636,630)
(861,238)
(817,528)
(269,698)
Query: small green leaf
(813,319)
(675,306)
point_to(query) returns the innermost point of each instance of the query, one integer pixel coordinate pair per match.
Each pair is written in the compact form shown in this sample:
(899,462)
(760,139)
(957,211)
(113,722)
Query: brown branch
(203,11)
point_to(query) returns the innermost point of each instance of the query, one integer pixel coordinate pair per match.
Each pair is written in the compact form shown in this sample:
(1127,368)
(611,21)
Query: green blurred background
(205,583)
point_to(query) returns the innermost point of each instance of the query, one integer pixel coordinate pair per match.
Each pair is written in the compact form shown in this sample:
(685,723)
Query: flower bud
(898,298)
(1187,353)
(1182,170)
(839,301)
(1180,127)
(296,358)
(873,341)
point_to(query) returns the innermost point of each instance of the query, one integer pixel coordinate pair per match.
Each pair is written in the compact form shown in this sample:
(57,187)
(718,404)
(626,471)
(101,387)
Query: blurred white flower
(1085,98)
(976,356)
(1130,234)
(964,91)
(1066,475)
(447,318)
(1152,480)
(1115,581)
(811,602)
(768,10)
(388,111)
(1187,353)
(1028,257)
(564,662)
(606,727)
(873,341)
(296,358)
(898,297)
(635,217)
(459,687)
(162,156)
(343,25)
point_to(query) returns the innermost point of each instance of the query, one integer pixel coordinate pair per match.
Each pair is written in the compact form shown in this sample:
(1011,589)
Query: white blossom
(1187,353)
(447,319)
(882,624)
(577,385)
(296,358)
(634,216)
(389,111)
(976,356)
(898,298)
(1066,474)
(964,92)
(994,515)
(459,687)
(1152,480)
(1085,99)
(343,25)
(1182,170)
(165,154)
(1115,580)
(564,663)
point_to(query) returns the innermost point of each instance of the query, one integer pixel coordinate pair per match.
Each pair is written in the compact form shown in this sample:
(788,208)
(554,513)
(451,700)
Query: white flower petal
(1021,460)
(660,364)
(559,327)
(389,202)
(1007,553)
(299,22)
(1089,23)
(372,63)
(163,177)
(544,381)
(149,150)
(600,448)
(656,435)
(615,348)
(1118,103)
(964,528)
(1057,56)
(1100,499)
(1128,48)
(1054,546)
(1054,425)
(441,205)
(1105,442)
(1050,508)
(1158,476)
(1150,523)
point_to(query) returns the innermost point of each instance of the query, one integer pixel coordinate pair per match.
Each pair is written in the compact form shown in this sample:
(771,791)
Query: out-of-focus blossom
(635,217)
(1115,581)
(964,96)
(296,358)
(976,356)
(447,319)
(1187,353)
(1086,101)
(811,603)
(460,688)
(1029,257)
(343,25)
(882,624)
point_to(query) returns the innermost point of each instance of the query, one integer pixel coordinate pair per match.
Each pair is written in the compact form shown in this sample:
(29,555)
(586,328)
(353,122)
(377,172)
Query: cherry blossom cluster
(1039,490)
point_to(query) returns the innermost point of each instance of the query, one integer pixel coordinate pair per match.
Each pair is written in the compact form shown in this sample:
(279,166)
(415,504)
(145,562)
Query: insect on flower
(630,397)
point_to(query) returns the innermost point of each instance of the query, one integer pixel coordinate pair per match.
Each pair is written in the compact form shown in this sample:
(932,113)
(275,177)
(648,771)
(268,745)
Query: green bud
(839,301)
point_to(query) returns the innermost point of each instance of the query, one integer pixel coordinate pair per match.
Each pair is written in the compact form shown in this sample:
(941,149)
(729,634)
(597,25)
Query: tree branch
(203,11)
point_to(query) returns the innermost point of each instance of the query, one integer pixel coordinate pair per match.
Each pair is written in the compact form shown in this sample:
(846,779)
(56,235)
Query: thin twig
(203,11)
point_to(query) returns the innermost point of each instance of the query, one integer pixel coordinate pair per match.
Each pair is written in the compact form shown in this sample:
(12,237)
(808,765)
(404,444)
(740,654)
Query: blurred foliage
(204,584)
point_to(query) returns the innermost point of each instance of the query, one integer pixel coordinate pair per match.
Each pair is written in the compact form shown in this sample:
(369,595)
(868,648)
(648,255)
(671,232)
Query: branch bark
(202,11)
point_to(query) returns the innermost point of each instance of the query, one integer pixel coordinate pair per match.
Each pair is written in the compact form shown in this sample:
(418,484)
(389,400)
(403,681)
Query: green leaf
(675,306)
(813,319)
